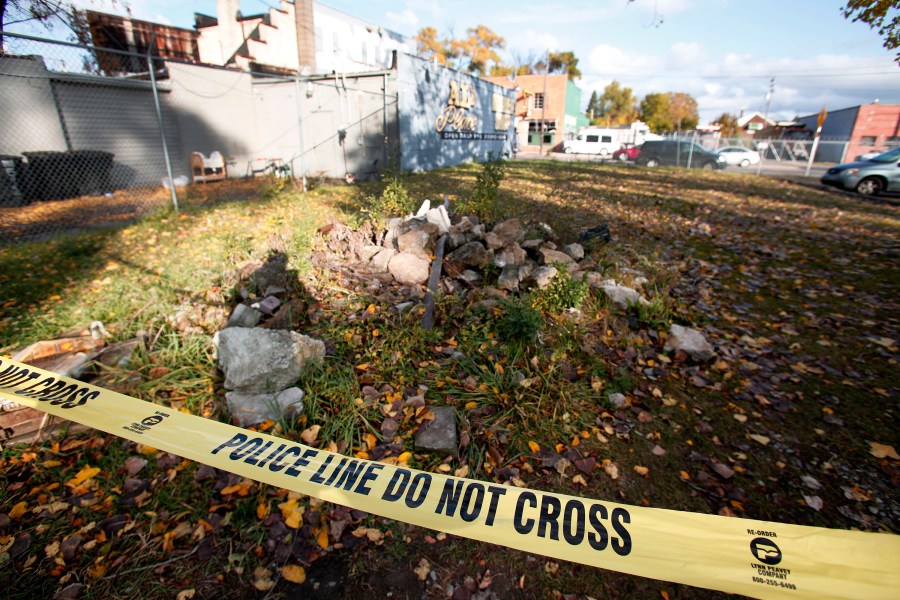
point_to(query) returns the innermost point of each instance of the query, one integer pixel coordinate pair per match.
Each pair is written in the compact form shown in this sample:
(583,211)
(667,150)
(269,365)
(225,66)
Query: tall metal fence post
(300,133)
(159,119)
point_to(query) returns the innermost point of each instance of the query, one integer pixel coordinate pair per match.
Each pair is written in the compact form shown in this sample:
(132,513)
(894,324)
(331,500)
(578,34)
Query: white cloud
(688,54)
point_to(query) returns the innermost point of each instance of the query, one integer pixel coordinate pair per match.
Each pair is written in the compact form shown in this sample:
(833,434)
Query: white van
(594,141)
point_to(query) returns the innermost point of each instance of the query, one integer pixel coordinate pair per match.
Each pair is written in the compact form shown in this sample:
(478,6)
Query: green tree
(564,62)
(728,125)
(655,112)
(883,15)
(593,107)
(617,105)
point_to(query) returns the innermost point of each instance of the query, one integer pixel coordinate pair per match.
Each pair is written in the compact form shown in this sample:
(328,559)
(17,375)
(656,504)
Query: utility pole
(769,98)
(544,100)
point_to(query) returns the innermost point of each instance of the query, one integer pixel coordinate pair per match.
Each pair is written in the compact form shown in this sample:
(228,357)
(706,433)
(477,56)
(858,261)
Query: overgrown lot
(796,287)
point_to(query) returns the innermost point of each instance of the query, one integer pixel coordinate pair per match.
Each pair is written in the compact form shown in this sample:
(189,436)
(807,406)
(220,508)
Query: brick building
(867,127)
(548,110)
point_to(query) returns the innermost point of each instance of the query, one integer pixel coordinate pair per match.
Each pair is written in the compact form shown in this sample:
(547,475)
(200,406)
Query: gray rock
(576,251)
(549,257)
(471,254)
(260,360)
(267,305)
(244,316)
(531,245)
(494,241)
(509,278)
(409,269)
(439,436)
(250,409)
(511,231)
(419,241)
(618,400)
(594,279)
(366,253)
(381,260)
(691,341)
(511,255)
(542,276)
(623,296)
(600,232)
(470,276)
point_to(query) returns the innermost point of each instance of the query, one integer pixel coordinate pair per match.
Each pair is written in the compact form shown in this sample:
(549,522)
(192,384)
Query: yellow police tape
(756,558)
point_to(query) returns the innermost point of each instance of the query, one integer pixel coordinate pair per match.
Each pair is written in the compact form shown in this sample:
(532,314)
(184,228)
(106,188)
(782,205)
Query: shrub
(520,323)
(483,201)
(394,201)
(563,293)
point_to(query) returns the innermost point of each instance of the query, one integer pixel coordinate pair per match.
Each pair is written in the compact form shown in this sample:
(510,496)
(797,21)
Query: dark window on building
(869,140)
(539,100)
(893,140)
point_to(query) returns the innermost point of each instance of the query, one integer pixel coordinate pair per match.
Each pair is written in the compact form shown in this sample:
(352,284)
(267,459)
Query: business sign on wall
(458,122)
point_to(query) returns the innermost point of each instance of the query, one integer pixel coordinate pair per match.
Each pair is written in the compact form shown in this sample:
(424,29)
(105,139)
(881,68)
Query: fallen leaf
(883,451)
(551,568)
(423,569)
(579,479)
(760,439)
(87,472)
(658,450)
(611,469)
(814,502)
(740,418)
(811,482)
(186,594)
(262,579)
(18,510)
(294,573)
(309,435)
(534,447)
(643,471)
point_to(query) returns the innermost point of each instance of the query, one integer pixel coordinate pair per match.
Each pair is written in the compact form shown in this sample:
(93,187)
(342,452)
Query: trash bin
(49,176)
(11,167)
(91,171)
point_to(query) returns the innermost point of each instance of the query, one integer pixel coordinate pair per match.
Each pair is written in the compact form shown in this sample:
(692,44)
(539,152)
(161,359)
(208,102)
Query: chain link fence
(94,137)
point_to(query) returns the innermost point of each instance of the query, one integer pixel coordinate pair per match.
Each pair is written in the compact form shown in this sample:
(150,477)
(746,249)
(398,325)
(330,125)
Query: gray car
(869,177)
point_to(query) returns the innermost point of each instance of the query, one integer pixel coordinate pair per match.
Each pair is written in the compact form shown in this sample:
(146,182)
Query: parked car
(869,155)
(869,177)
(681,153)
(739,156)
(625,154)
(593,141)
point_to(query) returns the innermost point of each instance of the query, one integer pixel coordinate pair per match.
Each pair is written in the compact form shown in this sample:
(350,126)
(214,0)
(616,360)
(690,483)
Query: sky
(722,52)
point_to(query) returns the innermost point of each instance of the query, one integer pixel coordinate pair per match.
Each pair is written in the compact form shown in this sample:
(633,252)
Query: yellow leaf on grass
(370,440)
(498,367)
(262,579)
(534,447)
(404,458)
(262,510)
(48,464)
(147,450)
(471,405)
(18,510)
(641,470)
(186,594)
(684,475)
(883,451)
(294,573)
(87,472)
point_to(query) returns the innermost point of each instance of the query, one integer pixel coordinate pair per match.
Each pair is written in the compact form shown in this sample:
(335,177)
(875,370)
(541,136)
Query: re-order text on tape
(756,558)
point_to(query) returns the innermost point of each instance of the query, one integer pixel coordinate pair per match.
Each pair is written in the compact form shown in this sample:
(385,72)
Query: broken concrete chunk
(511,255)
(493,241)
(381,260)
(549,257)
(409,269)
(419,241)
(257,360)
(511,231)
(244,316)
(623,296)
(542,276)
(471,254)
(438,216)
(576,251)
(438,436)
(250,409)
(267,305)
(691,341)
